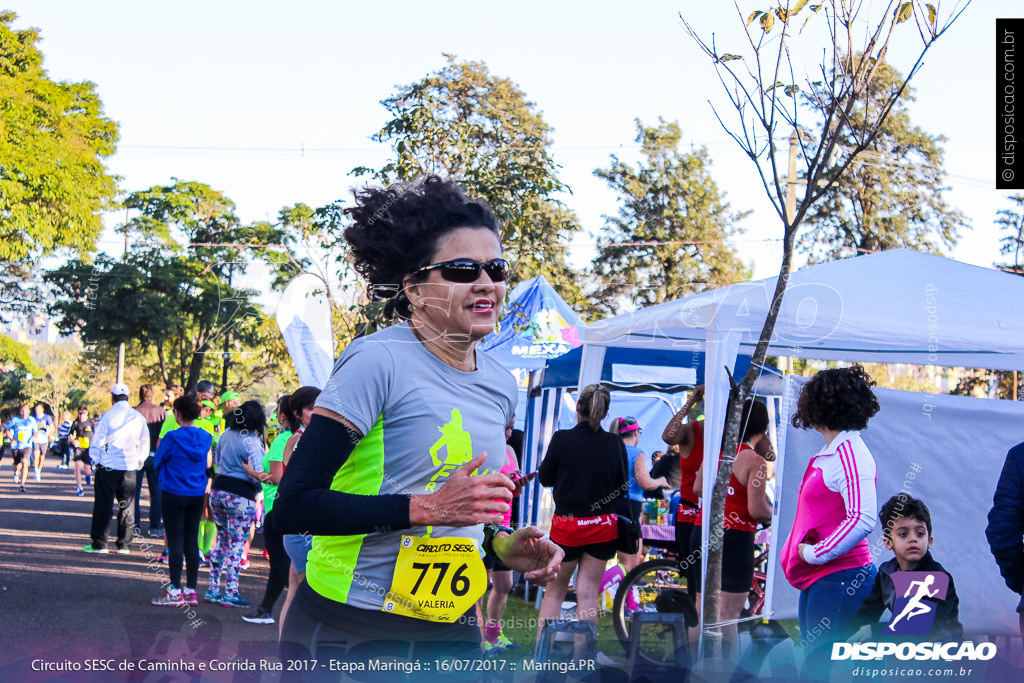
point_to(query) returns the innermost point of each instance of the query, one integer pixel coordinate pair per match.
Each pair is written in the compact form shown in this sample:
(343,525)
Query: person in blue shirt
(181,462)
(63,449)
(21,430)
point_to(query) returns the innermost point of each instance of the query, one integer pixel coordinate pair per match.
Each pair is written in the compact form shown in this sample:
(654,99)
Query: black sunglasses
(468,270)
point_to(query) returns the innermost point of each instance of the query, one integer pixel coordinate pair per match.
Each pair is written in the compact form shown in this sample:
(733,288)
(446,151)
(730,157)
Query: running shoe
(79,492)
(88,479)
(15,478)
(100,551)
(39,477)
(212,596)
(189,596)
(507,644)
(492,649)
(235,600)
(163,556)
(170,598)
(21,489)
(124,551)
(259,616)
(157,532)
(244,564)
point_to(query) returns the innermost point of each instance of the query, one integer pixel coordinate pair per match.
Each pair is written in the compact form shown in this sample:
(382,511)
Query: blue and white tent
(539,326)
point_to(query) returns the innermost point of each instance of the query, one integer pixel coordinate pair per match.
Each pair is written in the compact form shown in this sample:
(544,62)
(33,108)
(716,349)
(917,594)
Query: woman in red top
(689,439)
(745,505)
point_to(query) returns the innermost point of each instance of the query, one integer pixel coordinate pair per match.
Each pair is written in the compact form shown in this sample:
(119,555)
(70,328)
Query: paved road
(62,607)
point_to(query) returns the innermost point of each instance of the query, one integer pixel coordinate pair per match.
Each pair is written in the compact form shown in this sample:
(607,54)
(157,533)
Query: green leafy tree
(1011,222)
(54,183)
(671,235)
(172,303)
(891,196)
(173,290)
(16,369)
(479,129)
(15,356)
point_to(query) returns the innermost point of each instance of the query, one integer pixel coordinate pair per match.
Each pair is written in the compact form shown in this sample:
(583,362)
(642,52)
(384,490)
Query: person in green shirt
(229,400)
(207,420)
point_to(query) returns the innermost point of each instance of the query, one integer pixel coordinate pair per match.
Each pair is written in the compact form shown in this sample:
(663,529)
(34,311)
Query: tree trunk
(731,441)
(163,363)
(195,366)
(181,358)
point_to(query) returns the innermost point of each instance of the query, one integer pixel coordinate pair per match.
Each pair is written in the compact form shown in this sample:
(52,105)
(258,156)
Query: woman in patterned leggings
(233,498)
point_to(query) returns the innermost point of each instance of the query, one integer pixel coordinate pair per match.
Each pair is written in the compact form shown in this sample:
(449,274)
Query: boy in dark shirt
(907,528)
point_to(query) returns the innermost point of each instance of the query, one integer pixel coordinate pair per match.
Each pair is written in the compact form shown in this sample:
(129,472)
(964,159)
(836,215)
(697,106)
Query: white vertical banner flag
(304,316)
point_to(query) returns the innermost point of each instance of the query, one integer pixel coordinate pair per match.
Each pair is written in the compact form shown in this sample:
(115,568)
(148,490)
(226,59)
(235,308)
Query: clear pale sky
(273,103)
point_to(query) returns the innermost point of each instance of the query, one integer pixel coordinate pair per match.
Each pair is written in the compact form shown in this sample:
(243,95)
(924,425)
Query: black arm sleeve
(307,505)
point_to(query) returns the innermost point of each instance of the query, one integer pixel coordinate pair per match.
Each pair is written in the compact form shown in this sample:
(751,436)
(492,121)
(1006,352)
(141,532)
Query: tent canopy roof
(898,306)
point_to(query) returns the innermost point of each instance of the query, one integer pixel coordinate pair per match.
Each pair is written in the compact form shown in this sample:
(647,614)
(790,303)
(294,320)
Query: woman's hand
(520,481)
(800,550)
(464,499)
(263,477)
(529,552)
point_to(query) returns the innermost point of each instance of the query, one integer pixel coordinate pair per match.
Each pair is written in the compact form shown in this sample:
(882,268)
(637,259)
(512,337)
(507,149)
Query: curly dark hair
(839,399)
(901,506)
(395,232)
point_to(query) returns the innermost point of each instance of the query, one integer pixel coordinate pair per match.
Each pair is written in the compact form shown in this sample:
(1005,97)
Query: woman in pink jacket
(826,555)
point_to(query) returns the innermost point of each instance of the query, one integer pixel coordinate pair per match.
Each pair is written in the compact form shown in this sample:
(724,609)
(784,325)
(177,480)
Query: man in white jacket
(118,449)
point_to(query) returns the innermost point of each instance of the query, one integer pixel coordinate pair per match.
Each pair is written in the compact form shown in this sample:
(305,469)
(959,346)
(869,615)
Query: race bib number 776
(438,579)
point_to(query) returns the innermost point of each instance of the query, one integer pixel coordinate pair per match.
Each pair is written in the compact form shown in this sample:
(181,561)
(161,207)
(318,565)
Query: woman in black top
(586,468)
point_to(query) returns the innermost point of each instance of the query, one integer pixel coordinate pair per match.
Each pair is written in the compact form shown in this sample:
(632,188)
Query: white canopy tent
(897,306)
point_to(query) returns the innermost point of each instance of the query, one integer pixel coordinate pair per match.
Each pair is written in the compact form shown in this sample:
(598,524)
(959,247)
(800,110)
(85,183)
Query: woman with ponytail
(586,468)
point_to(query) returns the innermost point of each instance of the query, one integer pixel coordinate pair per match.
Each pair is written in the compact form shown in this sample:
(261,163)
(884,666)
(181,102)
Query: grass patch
(520,626)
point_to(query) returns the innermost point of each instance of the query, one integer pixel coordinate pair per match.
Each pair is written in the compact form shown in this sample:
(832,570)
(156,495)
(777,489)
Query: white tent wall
(947,451)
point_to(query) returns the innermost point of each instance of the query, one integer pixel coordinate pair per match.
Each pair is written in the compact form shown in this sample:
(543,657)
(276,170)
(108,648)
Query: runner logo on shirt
(457,445)
(916,595)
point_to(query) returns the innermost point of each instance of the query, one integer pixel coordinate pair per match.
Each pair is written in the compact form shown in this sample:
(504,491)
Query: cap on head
(120,389)
(229,396)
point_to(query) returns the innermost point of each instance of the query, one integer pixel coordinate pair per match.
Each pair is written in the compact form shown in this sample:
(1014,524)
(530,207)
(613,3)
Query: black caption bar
(1009,115)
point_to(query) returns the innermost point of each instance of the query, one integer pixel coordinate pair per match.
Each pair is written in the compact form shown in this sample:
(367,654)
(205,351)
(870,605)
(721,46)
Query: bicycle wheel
(652,586)
(755,602)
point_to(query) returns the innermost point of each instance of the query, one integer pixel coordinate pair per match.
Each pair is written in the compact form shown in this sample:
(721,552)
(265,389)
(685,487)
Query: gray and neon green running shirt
(421,419)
